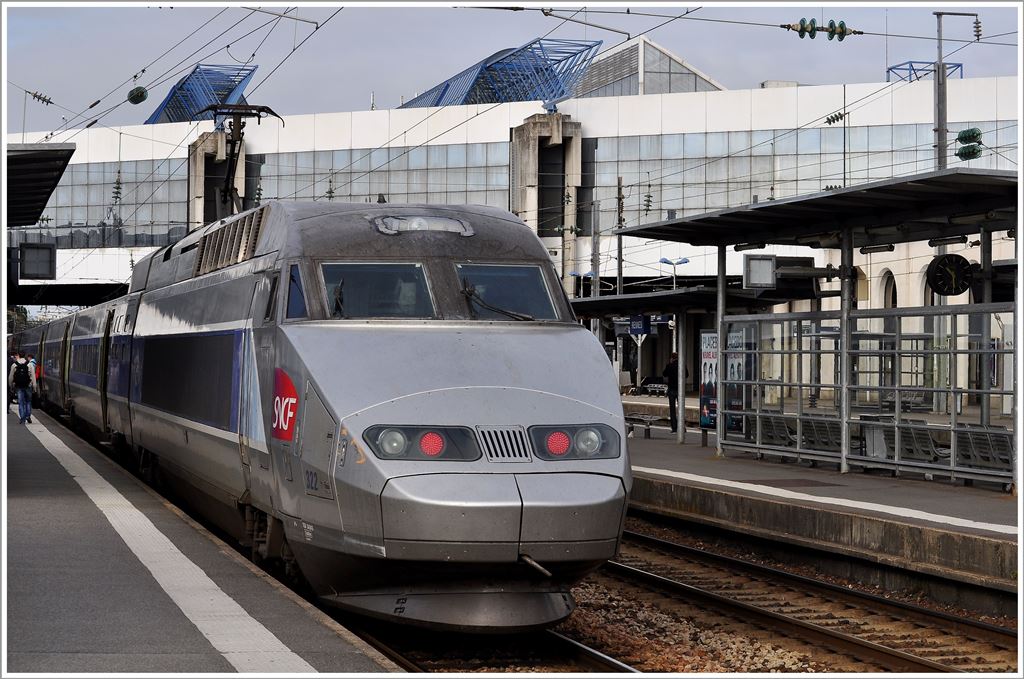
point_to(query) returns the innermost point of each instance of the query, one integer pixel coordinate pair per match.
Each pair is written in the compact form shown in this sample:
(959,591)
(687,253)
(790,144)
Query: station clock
(949,275)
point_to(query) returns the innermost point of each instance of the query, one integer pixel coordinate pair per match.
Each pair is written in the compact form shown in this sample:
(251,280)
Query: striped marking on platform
(902,512)
(243,641)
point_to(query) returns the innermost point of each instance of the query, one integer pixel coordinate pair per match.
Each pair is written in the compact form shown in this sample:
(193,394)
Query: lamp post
(674,263)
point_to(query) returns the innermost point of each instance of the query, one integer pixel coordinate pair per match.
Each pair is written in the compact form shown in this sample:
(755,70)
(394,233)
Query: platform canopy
(33,171)
(702,294)
(951,202)
(544,69)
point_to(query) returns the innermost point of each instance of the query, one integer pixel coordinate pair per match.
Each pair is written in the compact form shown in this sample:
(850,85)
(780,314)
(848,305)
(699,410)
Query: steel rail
(982,631)
(843,643)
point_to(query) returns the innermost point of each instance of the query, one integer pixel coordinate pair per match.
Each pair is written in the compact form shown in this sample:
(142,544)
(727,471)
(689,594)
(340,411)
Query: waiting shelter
(930,389)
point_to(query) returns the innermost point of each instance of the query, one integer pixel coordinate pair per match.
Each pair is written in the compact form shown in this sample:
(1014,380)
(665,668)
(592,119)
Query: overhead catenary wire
(762,24)
(294,49)
(204,24)
(412,127)
(170,73)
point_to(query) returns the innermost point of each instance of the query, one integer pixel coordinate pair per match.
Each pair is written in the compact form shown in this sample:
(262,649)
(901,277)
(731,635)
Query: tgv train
(395,400)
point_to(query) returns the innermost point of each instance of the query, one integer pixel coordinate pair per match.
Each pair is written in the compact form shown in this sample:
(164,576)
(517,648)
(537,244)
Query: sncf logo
(286,406)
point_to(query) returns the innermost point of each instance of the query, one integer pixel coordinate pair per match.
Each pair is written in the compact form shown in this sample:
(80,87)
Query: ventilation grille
(230,244)
(504,444)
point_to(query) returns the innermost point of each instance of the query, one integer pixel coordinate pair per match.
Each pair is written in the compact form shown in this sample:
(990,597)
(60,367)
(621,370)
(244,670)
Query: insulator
(969,152)
(971,135)
(977,29)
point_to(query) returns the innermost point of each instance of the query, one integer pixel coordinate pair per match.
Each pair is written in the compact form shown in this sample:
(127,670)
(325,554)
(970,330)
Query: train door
(65,364)
(102,369)
(258,380)
(317,439)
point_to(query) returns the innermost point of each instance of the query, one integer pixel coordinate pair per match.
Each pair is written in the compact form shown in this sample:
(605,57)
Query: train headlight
(575,442)
(401,442)
(392,442)
(588,441)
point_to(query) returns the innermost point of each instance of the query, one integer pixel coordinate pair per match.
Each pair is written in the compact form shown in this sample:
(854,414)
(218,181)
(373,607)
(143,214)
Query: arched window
(889,296)
(889,300)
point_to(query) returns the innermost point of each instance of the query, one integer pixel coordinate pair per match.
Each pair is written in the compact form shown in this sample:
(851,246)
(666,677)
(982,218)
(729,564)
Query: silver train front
(271,424)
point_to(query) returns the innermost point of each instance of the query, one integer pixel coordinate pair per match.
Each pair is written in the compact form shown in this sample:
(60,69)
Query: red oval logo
(286,406)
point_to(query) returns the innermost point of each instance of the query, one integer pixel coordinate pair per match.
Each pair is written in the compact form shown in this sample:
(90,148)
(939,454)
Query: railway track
(868,629)
(421,651)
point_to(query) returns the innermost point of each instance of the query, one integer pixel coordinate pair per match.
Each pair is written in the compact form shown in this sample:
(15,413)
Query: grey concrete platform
(966,534)
(79,599)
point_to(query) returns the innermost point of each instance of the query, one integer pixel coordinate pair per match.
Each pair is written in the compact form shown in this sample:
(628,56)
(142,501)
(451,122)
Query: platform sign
(708,379)
(639,325)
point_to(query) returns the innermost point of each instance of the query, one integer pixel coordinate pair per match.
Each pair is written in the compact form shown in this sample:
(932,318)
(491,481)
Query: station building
(681,143)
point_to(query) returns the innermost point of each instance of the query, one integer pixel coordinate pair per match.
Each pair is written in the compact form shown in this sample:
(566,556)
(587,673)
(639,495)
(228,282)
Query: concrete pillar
(208,144)
(548,129)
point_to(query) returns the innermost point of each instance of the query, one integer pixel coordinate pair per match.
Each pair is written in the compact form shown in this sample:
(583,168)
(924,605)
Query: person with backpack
(23,380)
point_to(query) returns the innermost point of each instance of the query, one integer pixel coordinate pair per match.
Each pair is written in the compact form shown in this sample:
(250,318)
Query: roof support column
(847,290)
(681,376)
(719,417)
(986,327)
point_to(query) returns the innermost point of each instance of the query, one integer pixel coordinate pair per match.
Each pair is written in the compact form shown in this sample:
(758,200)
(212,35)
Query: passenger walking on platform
(671,375)
(10,392)
(22,380)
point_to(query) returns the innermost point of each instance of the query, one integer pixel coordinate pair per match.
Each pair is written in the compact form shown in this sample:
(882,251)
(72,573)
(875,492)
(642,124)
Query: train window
(296,299)
(503,292)
(268,315)
(377,291)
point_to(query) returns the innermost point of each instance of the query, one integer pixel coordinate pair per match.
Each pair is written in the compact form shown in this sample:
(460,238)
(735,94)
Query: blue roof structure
(205,85)
(544,69)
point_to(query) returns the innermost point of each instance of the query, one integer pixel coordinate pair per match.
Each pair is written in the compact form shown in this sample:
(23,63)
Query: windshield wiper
(339,300)
(473,296)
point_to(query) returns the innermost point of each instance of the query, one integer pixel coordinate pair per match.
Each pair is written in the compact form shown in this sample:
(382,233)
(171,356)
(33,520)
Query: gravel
(655,639)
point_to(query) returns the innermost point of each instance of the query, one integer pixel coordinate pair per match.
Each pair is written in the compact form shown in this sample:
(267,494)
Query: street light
(674,263)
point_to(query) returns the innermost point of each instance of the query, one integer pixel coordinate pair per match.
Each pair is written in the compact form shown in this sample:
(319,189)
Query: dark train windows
(268,315)
(504,292)
(296,298)
(377,291)
(84,358)
(190,376)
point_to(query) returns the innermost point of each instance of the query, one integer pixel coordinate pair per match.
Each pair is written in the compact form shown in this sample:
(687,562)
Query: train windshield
(503,292)
(377,291)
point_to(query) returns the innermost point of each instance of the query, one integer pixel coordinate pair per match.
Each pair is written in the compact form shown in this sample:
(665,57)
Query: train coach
(393,400)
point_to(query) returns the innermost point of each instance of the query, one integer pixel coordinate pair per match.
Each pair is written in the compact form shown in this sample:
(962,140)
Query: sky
(75,55)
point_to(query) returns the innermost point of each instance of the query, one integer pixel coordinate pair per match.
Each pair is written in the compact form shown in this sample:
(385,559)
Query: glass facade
(683,174)
(689,174)
(82,212)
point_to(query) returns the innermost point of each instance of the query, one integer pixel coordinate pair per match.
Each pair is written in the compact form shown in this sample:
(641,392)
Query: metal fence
(931,389)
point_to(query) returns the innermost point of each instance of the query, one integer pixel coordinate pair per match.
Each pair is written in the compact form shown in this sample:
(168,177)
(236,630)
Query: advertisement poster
(738,370)
(708,378)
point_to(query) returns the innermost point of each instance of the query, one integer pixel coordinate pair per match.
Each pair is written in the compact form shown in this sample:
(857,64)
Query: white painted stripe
(902,512)
(243,641)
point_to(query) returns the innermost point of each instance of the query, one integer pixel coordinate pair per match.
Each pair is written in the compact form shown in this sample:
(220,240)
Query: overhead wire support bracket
(283,16)
(551,13)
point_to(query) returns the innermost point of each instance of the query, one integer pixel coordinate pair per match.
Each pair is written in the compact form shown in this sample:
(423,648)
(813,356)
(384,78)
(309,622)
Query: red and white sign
(286,406)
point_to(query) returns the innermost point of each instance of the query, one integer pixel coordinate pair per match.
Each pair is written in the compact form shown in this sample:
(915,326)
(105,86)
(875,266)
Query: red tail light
(558,443)
(431,444)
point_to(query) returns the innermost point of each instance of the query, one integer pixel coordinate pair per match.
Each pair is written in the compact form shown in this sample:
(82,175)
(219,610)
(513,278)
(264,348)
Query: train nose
(507,501)
(467,517)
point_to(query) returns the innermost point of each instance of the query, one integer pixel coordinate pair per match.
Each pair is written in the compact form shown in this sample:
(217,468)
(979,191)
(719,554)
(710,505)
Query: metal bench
(634,421)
